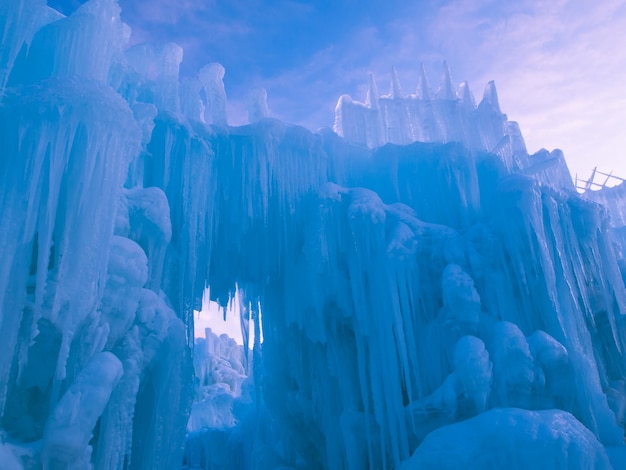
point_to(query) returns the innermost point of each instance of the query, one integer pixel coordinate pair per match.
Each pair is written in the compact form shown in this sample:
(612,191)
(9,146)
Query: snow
(412,290)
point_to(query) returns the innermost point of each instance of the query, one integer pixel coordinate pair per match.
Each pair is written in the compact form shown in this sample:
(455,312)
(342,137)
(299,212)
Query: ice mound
(511,438)
(69,429)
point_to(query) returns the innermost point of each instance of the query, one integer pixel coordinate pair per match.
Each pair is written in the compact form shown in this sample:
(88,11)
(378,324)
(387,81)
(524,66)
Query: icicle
(490,97)
(465,97)
(371,100)
(446,89)
(395,91)
(423,88)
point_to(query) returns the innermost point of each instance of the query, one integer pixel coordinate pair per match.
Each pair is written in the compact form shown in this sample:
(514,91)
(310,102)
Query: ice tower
(428,293)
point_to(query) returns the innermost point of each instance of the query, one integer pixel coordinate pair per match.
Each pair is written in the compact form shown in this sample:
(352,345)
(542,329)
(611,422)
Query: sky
(559,65)
(212,316)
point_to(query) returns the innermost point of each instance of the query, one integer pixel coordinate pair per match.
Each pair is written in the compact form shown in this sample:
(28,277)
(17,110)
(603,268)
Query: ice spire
(212,76)
(423,87)
(465,96)
(257,105)
(490,96)
(371,100)
(395,91)
(446,90)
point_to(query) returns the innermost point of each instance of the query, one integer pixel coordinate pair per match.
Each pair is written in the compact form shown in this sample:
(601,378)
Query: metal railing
(592,184)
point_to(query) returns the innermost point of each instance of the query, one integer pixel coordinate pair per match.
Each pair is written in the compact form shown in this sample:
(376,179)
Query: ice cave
(414,289)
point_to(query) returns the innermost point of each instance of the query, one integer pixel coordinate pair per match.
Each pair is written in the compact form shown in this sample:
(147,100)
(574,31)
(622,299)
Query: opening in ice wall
(219,320)
(234,320)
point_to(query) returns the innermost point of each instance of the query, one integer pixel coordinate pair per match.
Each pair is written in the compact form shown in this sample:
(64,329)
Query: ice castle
(428,294)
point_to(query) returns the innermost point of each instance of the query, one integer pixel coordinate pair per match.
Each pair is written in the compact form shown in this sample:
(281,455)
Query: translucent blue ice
(423,292)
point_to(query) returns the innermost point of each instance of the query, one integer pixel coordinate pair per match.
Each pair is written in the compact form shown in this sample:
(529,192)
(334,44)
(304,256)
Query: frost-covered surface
(399,289)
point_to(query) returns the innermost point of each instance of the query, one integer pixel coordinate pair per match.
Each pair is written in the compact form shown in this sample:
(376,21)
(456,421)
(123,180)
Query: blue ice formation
(428,293)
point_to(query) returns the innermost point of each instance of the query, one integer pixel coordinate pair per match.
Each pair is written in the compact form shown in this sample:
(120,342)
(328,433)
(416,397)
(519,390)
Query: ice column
(257,105)
(84,44)
(212,76)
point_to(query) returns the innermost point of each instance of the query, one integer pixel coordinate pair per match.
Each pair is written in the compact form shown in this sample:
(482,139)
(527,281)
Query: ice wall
(613,199)
(386,351)
(464,291)
(399,289)
(89,342)
(444,116)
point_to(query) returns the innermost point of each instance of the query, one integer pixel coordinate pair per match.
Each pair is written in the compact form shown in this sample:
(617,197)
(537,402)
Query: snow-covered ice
(511,438)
